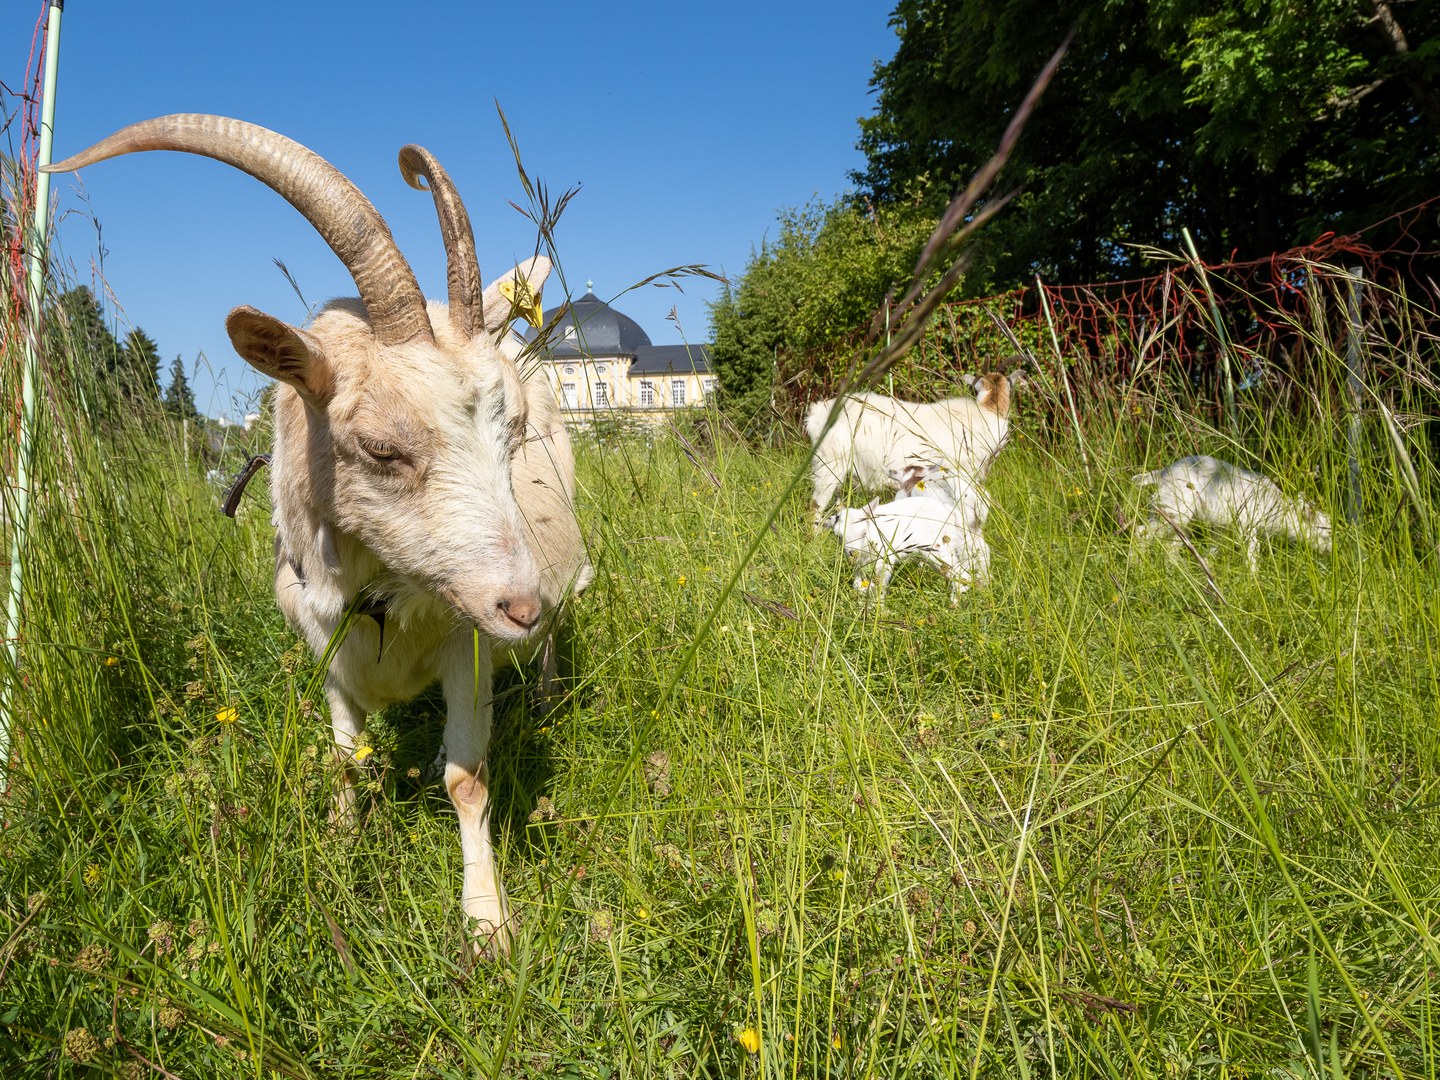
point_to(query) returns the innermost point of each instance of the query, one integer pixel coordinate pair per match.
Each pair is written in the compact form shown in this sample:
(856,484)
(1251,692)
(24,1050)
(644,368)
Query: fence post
(1065,378)
(24,478)
(1220,337)
(1355,384)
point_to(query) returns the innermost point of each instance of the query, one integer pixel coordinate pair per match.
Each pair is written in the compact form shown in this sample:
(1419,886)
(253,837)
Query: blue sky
(686,126)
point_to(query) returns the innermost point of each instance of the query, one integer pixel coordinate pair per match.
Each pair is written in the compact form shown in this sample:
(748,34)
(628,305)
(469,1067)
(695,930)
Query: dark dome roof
(591,327)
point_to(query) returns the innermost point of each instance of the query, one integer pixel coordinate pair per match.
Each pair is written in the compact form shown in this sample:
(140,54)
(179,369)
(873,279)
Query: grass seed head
(93,959)
(80,1046)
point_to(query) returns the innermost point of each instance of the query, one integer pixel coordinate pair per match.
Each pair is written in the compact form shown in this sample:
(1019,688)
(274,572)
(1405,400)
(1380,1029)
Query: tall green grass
(1102,818)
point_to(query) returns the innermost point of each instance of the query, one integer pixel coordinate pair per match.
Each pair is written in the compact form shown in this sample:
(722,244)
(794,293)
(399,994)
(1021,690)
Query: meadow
(1105,817)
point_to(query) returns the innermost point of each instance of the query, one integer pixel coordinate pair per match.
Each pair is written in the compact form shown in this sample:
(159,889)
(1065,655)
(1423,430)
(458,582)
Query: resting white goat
(875,434)
(1214,492)
(422,490)
(879,537)
(936,482)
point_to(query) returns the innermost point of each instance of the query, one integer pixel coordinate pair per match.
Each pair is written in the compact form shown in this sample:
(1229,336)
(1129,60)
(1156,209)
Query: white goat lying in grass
(1215,492)
(875,434)
(927,530)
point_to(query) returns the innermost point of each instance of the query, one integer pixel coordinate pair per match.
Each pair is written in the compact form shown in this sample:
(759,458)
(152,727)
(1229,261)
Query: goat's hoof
(493,932)
(345,815)
(492,942)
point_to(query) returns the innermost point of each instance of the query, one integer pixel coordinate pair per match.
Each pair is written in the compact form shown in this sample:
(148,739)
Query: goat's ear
(516,292)
(972,381)
(1017,378)
(281,351)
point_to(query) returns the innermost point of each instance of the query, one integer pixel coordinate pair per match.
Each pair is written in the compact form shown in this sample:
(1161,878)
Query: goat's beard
(407,602)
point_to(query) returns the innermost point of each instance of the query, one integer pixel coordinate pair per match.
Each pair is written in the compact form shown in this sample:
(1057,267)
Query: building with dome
(600,361)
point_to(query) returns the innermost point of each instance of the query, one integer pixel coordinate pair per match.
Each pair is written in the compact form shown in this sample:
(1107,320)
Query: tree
(1258,125)
(85,339)
(179,398)
(138,373)
(823,278)
(116,378)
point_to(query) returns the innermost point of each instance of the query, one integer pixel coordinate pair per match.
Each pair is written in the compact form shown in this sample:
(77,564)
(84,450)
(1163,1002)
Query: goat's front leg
(347,723)
(550,670)
(959,582)
(877,575)
(1149,530)
(1252,551)
(467,684)
(825,476)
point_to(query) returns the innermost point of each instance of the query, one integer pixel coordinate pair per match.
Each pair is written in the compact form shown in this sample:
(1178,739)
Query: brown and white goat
(876,437)
(422,489)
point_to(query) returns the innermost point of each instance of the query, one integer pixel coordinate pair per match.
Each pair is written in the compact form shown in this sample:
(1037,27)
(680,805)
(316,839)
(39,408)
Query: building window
(569,369)
(708,385)
(602,395)
(599,369)
(647,394)
(677,393)
(572,399)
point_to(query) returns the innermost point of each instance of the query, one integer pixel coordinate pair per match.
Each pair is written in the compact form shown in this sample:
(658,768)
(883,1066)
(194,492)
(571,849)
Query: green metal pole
(24,477)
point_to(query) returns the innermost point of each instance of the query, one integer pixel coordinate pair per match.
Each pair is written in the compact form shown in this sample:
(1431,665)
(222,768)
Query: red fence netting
(1128,344)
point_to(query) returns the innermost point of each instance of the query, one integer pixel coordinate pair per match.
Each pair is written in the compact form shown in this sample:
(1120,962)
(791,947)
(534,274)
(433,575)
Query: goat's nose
(524,612)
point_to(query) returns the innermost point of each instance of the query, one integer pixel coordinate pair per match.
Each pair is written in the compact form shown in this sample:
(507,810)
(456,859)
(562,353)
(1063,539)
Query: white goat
(936,482)
(422,490)
(1214,492)
(926,530)
(874,434)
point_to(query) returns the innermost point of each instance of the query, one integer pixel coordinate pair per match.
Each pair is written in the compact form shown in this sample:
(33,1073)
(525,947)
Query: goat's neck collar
(364,603)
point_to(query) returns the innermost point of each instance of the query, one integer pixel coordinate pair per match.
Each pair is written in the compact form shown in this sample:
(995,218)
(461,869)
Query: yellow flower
(111,661)
(363,752)
(681,580)
(93,874)
(835,1040)
(644,914)
(228,715)
(749,1039)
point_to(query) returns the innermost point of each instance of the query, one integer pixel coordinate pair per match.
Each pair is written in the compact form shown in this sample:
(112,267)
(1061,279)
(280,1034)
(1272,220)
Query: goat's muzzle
(522,612)
(506,614)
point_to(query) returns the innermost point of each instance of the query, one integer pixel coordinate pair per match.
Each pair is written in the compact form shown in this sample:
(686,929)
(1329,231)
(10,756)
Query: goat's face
(1312,525)
(850,524)
(408,449)
(400,440)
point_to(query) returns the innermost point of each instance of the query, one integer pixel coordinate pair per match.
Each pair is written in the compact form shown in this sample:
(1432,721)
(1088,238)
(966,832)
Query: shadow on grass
(522,766)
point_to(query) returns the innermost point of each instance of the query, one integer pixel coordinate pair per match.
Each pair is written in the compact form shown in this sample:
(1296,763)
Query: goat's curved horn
(462,268)
(343,216)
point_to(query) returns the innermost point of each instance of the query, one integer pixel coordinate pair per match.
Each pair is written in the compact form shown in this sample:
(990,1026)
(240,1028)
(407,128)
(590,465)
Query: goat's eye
(381,450)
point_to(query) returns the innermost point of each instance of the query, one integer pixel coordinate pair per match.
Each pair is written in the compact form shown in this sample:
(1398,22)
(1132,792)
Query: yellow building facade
(600,361)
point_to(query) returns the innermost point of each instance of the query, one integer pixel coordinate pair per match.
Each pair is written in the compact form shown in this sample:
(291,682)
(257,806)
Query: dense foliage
(824,275)
(1258,125)
(179,398)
